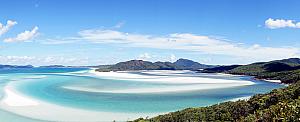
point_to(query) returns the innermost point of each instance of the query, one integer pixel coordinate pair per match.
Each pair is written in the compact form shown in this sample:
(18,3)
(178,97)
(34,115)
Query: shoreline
(164,79)
(240,98)
(121,74)
(183,88)
(273,81)
(262,79)
(41,110)
(180,83)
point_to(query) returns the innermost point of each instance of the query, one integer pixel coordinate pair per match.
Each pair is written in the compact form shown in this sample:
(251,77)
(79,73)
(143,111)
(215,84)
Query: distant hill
(286,70)
(181,64)
(15,66)
(133,65)
(53,66)
(186,64)
(219,69)
(291,61)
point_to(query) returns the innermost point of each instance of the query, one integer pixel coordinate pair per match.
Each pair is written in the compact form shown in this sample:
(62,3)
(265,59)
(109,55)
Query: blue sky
(91,32)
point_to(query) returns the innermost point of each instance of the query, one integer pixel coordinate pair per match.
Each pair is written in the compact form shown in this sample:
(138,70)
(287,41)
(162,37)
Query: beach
(273,81)
(180,83)
(240,98)
(177,79)
(23,105)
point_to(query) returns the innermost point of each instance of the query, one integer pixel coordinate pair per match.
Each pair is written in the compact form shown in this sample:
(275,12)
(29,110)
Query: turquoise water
(48,84)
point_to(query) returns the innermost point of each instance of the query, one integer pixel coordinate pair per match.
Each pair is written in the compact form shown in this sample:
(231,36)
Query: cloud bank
(190,42)
(43,60)
(24,36)
(281,23)
(8,26)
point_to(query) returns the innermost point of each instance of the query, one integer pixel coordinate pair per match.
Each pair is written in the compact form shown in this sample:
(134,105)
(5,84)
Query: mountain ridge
(15,66)
(180,64)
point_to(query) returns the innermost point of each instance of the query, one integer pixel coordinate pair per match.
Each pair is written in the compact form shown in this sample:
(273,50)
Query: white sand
(121,75)
(13,99)
(180,83)
(35,77)
(167,72)
(240,98)
(179,88)
(33,108)
(226,74)
(273,81)
(167,79)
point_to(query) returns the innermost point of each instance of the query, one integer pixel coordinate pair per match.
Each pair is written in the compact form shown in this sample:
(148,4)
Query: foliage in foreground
(281,105)
(278,105)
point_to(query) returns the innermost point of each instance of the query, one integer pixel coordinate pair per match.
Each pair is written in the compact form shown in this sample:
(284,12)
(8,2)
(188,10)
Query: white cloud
(281,23)
(24,36)
(43,60)
(157,57)
(119,25)
(5,28)
(144,56)
(172,58)
(12,59)
(59,41)
(190,42)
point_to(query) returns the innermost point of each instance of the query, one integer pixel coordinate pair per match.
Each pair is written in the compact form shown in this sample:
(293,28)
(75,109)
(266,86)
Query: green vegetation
(181,64)
(286,70)
(185,64)
(219,69)
(137,65)
(280,105)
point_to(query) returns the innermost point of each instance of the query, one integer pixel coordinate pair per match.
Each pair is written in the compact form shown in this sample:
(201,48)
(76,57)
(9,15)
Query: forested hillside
(280,105)
(180,64)
(286,70)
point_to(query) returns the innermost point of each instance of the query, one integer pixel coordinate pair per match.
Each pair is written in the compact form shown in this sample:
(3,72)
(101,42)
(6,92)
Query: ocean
(77,88)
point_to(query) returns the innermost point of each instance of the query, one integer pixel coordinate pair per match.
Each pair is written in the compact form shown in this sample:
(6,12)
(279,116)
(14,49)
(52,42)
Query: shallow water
(48,84)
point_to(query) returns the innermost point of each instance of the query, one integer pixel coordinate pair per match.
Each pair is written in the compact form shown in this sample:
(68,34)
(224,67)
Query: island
(180,64)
